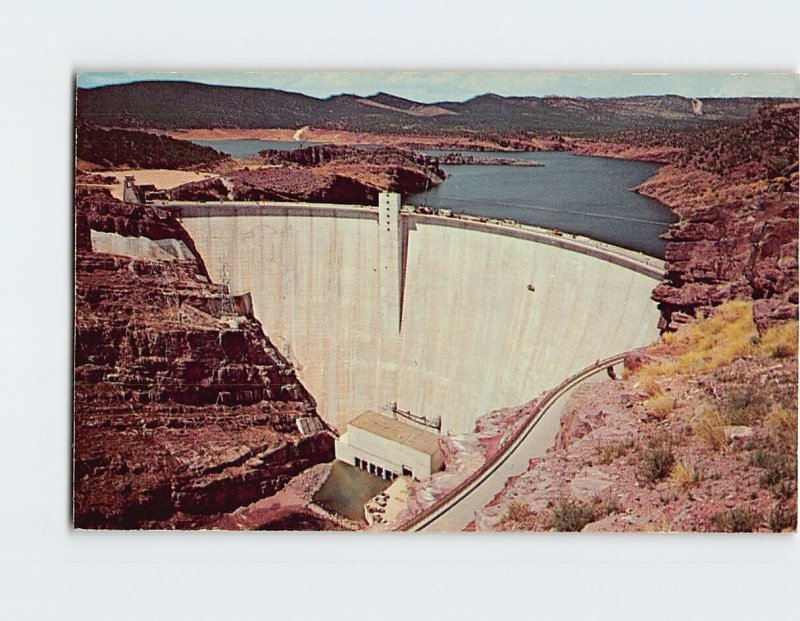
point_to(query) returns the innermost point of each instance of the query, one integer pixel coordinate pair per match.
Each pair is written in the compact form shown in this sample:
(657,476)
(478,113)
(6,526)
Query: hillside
(111,148)
(186,105)
(700,435)
(736,194)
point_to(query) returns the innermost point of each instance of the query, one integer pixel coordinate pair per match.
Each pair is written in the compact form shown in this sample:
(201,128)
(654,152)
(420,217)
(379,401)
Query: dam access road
(443,316)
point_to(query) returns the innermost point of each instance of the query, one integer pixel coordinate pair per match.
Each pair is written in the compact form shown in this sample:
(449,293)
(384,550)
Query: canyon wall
(184,410)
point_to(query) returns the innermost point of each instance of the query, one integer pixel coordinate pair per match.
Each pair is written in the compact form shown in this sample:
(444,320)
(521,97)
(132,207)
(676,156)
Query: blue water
(573,193)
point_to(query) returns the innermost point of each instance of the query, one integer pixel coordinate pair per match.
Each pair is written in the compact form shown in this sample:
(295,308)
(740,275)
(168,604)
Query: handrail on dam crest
(471,483)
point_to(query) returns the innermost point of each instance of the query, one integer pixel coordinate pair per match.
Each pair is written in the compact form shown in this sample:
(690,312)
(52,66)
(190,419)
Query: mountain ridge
(169,105)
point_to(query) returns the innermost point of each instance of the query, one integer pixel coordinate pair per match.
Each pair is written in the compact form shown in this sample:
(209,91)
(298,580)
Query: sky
(460,85)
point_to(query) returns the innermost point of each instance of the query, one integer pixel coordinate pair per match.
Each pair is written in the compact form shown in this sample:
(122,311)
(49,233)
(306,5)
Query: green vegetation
(135,149)
(610,452)
(657,460)
(572,515)
(736,521)
(174,105)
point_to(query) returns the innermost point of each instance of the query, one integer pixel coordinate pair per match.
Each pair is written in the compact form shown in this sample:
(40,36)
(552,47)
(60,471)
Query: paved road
(456,514)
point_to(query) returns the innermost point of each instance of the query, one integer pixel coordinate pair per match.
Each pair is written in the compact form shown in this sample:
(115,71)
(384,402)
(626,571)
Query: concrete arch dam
(447,317)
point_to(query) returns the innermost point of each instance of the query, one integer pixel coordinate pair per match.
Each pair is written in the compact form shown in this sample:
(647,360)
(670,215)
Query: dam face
(441,321)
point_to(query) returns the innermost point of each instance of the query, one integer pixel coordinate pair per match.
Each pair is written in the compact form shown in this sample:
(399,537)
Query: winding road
(458,509)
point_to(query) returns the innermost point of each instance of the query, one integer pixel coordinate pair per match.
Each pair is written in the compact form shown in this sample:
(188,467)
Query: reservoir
(573,193)
(578,194)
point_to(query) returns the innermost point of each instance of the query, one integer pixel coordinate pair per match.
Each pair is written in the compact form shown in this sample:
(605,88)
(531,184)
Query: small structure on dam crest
(388,448)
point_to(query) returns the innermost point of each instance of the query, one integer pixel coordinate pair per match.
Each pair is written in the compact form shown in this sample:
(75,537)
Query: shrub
(685,474)
(782,518)
(736,521)
(657,461)
(572,516)
(744,406)
(612,451)
(519,513)
(778,467)
(661,405)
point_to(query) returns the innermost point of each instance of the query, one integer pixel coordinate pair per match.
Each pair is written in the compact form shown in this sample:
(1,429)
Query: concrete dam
(440,316)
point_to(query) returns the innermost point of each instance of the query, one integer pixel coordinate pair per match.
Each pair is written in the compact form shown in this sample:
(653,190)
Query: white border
(48,571)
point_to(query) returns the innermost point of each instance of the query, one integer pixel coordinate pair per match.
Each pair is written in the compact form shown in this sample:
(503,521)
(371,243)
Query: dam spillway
(433,314)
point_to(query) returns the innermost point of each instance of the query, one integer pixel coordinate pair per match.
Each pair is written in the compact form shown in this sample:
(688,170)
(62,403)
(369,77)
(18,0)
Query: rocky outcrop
(738,228)
(328,174)
(95,209)
(459,159)
(184,410)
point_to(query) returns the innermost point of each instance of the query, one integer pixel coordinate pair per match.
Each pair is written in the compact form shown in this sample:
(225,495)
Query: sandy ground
(340,137)
(161,178)
(234,134)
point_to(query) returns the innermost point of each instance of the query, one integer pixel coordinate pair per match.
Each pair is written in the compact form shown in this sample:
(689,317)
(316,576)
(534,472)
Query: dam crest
(445,317)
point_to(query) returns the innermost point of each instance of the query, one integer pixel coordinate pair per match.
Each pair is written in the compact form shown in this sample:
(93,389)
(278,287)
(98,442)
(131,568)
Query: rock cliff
(330,174)
(736,194)
(183,408)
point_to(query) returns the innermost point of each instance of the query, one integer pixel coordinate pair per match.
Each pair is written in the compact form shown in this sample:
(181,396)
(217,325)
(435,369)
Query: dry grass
(709,425)
(685,474)
(709,342)
(782,426)
(779,341)
(651,386)
(712,342)
(614,450)
(661,405)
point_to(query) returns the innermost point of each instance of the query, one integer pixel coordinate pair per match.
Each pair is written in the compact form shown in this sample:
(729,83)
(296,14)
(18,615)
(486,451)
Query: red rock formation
(738,228)
(321,174)
(179,416)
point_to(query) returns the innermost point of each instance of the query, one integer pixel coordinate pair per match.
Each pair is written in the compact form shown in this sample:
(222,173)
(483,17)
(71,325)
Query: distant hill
(137,149)
(187,105)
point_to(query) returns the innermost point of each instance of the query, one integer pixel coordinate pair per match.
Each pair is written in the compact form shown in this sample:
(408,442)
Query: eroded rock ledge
(181,413)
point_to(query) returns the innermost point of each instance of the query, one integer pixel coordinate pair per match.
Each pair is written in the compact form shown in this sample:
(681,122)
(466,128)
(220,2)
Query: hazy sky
(458,86)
